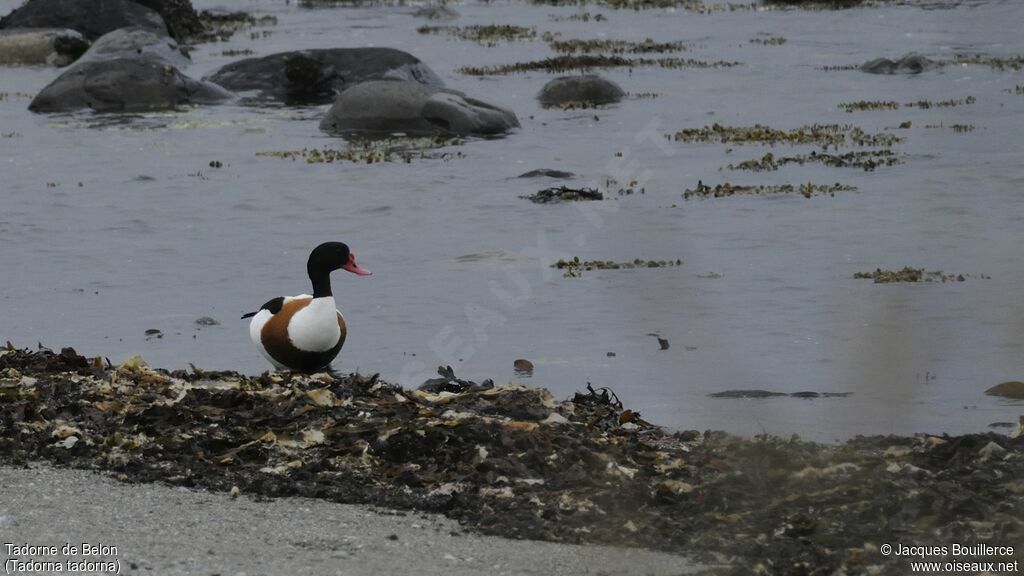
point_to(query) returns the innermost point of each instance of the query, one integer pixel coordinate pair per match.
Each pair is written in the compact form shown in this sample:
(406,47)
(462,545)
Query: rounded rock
(41,46)
(588,88)
(92,18)
(414,109)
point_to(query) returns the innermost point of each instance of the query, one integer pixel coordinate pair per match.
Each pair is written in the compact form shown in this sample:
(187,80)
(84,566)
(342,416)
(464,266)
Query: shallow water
(156,238)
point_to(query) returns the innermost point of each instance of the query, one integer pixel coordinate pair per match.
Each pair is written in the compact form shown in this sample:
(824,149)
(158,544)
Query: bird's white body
(313,328)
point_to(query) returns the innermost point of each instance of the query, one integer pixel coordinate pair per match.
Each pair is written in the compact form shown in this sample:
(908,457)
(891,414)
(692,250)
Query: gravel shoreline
(173,531)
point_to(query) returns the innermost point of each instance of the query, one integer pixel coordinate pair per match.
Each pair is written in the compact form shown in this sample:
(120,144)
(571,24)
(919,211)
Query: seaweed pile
(823,135)
(513,461)
(867,160)
(727,189)
(909,274)
(564,194)
(574,268)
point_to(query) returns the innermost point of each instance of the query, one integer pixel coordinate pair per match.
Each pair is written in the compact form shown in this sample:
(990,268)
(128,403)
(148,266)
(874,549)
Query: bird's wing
(273,306)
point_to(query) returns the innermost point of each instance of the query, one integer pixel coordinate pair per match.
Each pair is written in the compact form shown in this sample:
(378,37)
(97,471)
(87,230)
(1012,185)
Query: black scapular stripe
(274,306)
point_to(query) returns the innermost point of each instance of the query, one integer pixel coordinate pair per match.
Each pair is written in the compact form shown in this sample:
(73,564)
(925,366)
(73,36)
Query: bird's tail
(249,315)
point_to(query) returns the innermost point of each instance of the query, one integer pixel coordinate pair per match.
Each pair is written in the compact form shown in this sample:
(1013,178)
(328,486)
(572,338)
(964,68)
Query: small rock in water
(546,173)
(1011,389)
(207,321)
(909,64)
(523,367)
(413,108)
(587,89)
(436,13)
(153,333)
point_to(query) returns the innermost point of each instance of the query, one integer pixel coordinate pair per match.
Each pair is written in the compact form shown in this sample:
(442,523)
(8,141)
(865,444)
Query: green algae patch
(827,4)
(575,267)
(952,102)
(578,17)
(769,41)
(864,105)
(221,26)
(242,52)
(582,62)
(693,6)
(824,135)
(646,46)
(866,160)
(726,189)
(994,62)
(909,274)
(373,151)
(487,34)
(874,105)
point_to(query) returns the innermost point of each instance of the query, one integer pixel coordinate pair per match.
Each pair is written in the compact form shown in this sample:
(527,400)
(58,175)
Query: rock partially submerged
(41,46)
(318,76)
(515,462)
(439,12)
(760,394)
(139,43)
(1013,390)
(92,18)
(586,89)
(128,70)
(124,85)
(909,64)
(412,108)
(547,173)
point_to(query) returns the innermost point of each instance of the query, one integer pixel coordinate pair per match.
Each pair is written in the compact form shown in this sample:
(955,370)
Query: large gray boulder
(585,89)
(93,18)
(909,64)
(137,43)
(124,85)
(415,109)
(127,70)
(318,76)
(41,46)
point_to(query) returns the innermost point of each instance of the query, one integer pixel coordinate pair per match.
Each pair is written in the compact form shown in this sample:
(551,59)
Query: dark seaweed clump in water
(822,3)
(513,461)
(726,189)
(867,160)
(823,135)
(488,34)
(567,63)
(575,267)
(908,274)
(564,194)
(647,46)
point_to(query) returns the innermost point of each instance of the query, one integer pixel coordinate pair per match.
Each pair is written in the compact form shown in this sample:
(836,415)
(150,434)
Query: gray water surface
(156,238)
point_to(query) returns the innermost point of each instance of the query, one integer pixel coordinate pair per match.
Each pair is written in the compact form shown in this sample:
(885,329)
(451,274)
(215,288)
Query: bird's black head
(331,256)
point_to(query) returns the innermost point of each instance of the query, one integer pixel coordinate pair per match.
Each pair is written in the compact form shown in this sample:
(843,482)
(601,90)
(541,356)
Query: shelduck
(304,333)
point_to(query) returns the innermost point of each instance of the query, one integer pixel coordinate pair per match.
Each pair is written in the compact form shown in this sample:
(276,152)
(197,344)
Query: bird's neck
(321,285)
